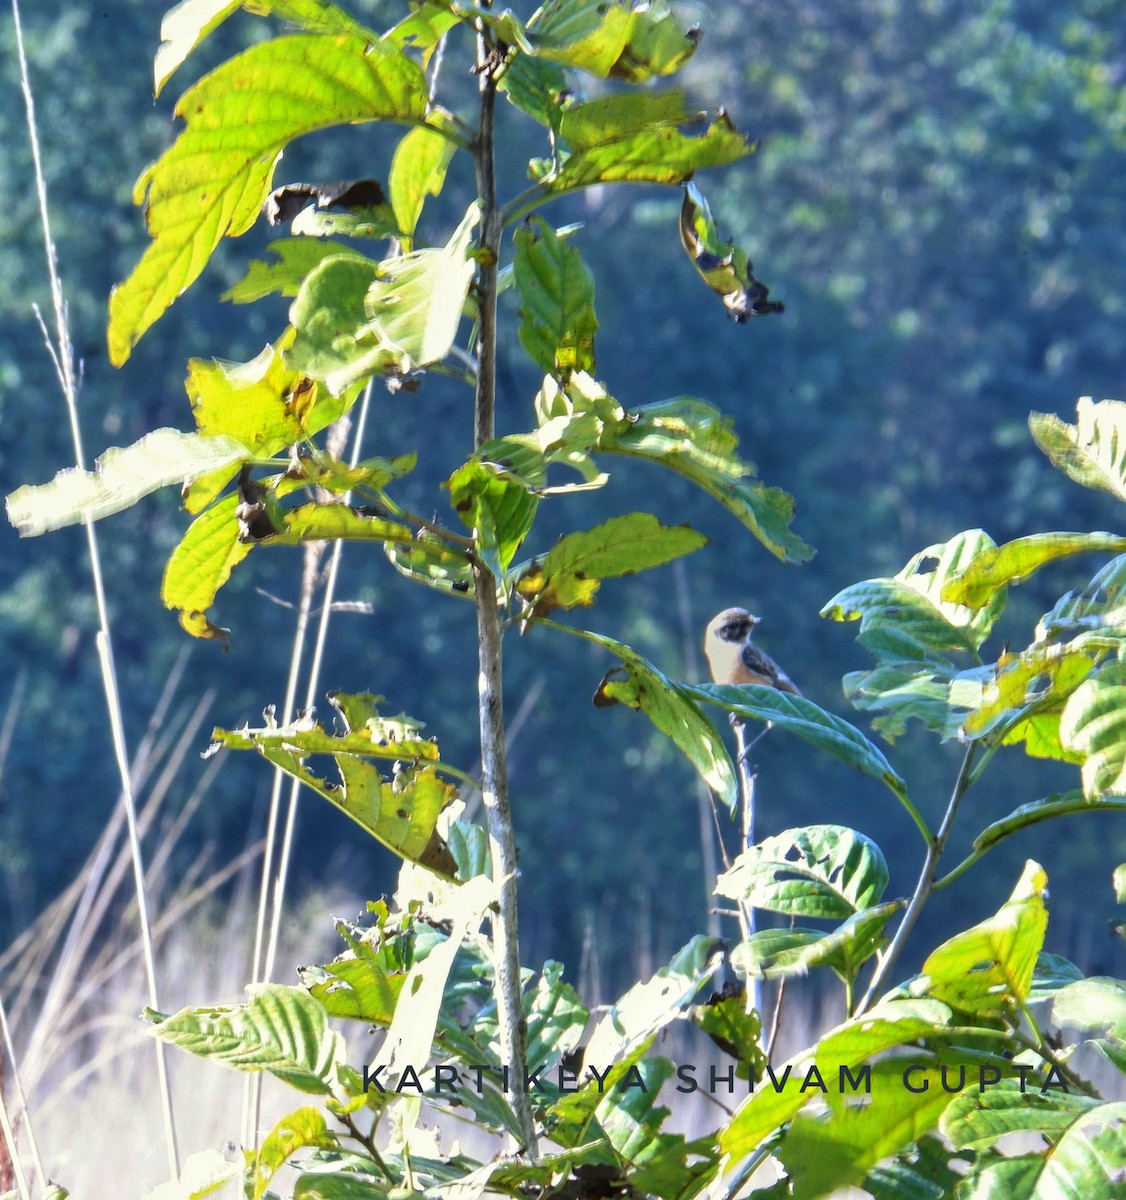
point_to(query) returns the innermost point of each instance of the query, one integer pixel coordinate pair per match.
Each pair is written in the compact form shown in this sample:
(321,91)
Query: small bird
(734,658)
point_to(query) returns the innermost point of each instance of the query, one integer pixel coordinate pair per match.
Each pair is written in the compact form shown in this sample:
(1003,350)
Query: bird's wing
(762,664)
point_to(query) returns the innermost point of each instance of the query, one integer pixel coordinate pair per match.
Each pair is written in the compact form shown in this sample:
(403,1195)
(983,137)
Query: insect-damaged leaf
(212,181)
(401,813)
(283,204)
(640,138)
(611,41)
(723,267)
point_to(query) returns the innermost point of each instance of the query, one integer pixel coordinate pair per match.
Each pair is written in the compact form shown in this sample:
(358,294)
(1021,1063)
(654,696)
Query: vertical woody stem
(494,782)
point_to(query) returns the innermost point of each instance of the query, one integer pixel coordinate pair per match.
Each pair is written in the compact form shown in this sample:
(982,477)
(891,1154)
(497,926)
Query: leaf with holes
(823,871)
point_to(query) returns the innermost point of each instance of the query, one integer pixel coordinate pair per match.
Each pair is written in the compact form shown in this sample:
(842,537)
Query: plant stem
(512,1025)
(925,885)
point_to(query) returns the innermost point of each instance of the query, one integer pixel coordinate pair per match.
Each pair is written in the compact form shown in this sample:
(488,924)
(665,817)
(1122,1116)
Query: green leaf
(823,871)
(497,506)
(569,574)
(1092,1004)
(778,953)
(1093,450)
(120,478)
(912,605)
(296,257)
(335,522)
(1098,608)
(1089,1160)
(557,1017)
(302,1128)
(418,169)
(536,87)
(987,970)
(672,710)
(638,138)
(338,1186)
(723,267)
(923,1171)
(998,566)
(212,181)
(1064,805)
(890,1024)
(186,25)
(823,1155)
(432,561)
(355,319)
(1026,690)
(697,441)
(977,1120)
(204,559)
(423,29)
(651,1005)
(557,324)
(725,1018)
(806,720)
(202,1174)
(611,41)
(1093,724)
(280,1029)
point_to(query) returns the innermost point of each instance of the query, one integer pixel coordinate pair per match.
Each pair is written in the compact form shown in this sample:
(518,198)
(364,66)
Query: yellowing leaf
(987,970)
(211,183)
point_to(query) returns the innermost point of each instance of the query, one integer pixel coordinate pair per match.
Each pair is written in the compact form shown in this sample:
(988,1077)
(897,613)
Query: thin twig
(63,355)
(925,885)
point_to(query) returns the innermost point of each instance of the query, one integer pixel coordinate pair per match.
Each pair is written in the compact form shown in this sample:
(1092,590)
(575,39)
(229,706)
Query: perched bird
(734,658)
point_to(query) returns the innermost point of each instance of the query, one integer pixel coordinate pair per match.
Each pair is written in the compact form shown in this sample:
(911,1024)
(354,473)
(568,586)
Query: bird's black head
(735,624)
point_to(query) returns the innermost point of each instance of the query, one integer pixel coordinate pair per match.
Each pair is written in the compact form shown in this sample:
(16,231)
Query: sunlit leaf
(280,1029)
(355,319)
(1093,450)
(824,1154)
(1093,724)
(204,559)
(497,506)
(556,289)
(336,522)
(120,478)
(987,970)
(823,871)
(569,574)
(304,1128)
(202,1174)
(611,41)
(892,1023)
(654,1003)
(1096,1003)
(1048,809)
(186,25)
(723,267)
(296,257)
(778,953)
(401,813)
(997,566)
(1088,1160)
(697,441)
(807,720)
(212,181)
(418,169)
(672,710)
(432,561)
(639,138)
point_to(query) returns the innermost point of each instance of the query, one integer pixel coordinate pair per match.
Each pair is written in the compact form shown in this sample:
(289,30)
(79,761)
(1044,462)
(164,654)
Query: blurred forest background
(938,198)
